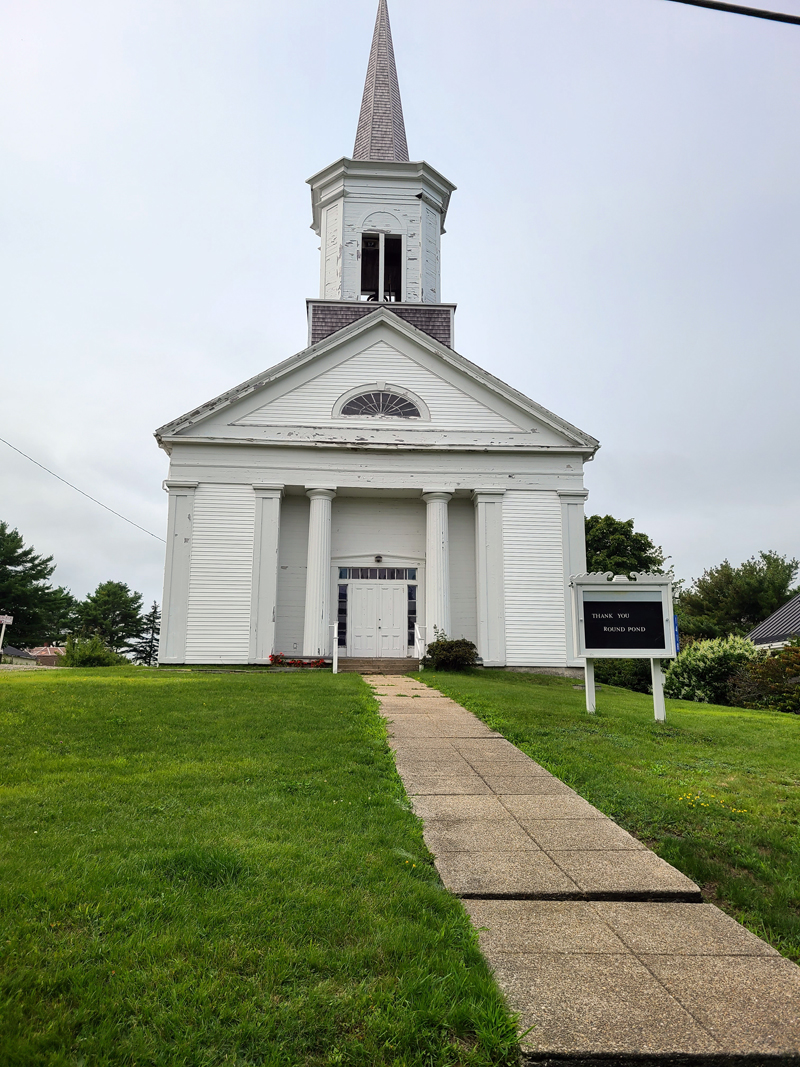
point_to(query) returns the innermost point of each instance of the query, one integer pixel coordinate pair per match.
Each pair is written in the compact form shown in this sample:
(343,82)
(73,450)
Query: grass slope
(222,869)
(713,791)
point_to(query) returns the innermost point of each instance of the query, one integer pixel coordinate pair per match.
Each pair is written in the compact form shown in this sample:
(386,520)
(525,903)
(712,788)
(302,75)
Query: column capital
(170,484)
(320,494)
(573,496)
(481,495)
(440,495)
(263,489)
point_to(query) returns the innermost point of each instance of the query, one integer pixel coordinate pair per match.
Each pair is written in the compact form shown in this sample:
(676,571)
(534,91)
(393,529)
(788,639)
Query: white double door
(378,619)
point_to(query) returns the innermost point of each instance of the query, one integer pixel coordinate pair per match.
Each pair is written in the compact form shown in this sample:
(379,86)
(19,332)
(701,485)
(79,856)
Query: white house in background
(377,478)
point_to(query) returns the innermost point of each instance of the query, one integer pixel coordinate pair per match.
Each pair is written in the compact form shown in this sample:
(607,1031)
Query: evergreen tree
(730,600)
(42,614)
(114,612)
(145,650)
(612,545)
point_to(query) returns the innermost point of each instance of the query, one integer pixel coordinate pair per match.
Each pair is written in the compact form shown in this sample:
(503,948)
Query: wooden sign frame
(625,611)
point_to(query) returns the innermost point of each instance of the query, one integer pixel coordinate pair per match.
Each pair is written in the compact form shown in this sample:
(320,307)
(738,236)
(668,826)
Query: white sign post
(335,648)
(5,620)
(619,617)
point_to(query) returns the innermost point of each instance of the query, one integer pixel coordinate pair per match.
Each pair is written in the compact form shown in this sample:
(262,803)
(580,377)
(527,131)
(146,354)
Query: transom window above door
(382,574)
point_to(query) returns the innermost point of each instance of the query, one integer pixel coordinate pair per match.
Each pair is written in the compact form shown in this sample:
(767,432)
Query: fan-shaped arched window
(381,403)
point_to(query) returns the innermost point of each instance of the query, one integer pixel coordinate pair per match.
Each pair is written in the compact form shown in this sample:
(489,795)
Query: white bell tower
(380,217)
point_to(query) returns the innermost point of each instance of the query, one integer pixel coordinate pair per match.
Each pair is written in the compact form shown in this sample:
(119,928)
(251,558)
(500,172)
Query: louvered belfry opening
(381,133)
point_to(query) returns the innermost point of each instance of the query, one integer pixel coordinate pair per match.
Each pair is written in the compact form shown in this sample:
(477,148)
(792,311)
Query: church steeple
(381,133)
(379,216)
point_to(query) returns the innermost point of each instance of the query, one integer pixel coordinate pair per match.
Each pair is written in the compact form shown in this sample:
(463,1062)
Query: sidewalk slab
(548,806)
(474,836)
(749,1004)
(503,874)
(680,930)
(631,874)
(596,1003)
(527,785)
(583,835)
(444,783)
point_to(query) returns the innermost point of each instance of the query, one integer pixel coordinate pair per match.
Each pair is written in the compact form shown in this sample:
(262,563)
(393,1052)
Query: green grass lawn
(714,790)
(203,869)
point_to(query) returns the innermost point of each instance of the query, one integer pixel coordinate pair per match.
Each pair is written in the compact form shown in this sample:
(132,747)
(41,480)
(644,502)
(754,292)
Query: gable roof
(781,626)
(382,315)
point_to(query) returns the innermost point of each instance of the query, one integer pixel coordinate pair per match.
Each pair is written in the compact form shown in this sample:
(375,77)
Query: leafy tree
(90,652)
(145,650)
(41,613)
(733,600)
(705,671)
(772,681)
(114,613)
(612,545)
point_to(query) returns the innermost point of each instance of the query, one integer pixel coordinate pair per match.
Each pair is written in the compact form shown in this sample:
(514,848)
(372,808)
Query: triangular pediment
(303,396)
(381,365)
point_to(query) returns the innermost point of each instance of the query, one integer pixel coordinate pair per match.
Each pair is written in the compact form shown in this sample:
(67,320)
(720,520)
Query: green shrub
(446,654)
(90,652)
(704,671)
(632,674)
(770,682)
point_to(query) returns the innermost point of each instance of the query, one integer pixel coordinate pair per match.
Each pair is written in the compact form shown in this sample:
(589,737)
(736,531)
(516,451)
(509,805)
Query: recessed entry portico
(377,610)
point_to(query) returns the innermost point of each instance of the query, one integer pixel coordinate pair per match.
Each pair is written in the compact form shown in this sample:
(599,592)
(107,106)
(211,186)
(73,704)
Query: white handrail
(419,644)
(335,653)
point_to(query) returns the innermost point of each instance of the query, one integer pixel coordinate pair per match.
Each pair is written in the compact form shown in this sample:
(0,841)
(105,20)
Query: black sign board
(628,624)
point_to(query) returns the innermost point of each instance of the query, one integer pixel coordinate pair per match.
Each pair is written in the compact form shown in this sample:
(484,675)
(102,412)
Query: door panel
(392,621)
(363,629)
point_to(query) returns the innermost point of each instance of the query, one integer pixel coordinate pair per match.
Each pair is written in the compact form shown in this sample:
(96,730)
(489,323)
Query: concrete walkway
(606,951)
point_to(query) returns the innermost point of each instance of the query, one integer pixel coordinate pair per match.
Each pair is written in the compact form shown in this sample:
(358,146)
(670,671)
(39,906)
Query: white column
(175,602)
(489,574)
(573,546)
(437,563)
(265,572)
(316,635)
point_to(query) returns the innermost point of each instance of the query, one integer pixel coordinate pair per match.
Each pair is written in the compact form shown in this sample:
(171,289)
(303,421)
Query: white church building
(376,485)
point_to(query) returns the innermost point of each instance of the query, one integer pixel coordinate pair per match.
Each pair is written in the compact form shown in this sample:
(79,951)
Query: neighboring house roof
(780,627)
(46,650)
(20,653)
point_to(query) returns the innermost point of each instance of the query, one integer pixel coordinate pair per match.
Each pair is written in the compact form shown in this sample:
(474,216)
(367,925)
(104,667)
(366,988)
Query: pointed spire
(381,132)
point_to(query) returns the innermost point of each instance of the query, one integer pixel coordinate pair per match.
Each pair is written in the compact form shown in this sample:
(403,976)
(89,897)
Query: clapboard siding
(292,570)
(312,403)
(463,596)
(364,526)
(221,575)
(534,580)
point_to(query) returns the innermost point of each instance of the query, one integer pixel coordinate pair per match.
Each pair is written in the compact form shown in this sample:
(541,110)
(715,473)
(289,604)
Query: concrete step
(378,666)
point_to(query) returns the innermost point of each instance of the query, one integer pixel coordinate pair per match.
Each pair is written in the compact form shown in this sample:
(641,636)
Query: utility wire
(77,490)
(737,9)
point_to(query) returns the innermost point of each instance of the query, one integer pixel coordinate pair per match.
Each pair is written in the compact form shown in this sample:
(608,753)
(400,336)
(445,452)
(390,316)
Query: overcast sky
(623,245)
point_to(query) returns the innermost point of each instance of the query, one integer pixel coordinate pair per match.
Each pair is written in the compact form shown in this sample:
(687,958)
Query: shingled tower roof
(381,132)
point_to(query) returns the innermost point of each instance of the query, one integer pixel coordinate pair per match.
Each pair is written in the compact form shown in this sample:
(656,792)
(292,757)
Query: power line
(736,9)
(77,490)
